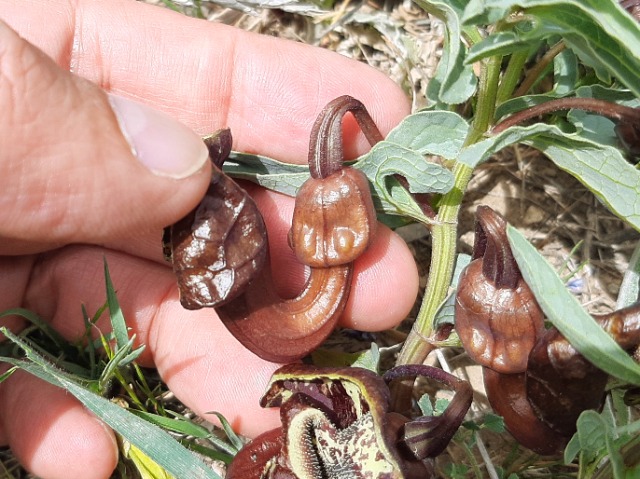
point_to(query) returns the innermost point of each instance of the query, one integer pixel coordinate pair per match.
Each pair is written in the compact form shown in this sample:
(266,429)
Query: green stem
(444,233)
(472,459)
(511,75)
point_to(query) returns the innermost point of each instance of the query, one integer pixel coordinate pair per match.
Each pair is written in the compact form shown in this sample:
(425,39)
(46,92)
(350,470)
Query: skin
(68,200)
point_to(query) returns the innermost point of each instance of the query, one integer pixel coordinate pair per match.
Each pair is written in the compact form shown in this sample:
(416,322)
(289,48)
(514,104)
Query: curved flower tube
(220,250)
(534,378)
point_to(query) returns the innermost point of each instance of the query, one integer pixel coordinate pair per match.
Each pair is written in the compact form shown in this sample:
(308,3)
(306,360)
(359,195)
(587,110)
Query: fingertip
(52,434)
(209,370)
(385,284)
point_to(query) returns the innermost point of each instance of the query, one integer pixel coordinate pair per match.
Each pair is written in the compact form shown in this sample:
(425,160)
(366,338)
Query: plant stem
(613,111)
(511,75)
(534,74)
(474,462)
(444,233)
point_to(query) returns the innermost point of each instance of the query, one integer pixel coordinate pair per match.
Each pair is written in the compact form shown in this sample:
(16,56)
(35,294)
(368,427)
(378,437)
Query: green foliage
(429,408)
(599,31)
(76,367)
(454,81)
(605,435)
(565,313)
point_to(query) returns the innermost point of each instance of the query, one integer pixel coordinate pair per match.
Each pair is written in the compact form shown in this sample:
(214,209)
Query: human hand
(73,193)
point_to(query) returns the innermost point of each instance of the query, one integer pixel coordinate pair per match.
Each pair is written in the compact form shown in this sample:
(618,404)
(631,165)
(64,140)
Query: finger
(69,171)
(13,284)
(64,440)
(194,353)
(268,91)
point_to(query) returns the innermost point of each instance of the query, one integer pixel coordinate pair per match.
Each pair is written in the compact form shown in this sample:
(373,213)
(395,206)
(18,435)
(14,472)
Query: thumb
(79,165)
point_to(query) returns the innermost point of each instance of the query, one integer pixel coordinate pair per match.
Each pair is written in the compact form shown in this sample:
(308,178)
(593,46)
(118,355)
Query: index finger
(267,90)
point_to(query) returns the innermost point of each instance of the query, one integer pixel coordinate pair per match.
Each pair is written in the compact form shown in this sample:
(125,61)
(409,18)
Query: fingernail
(162,144)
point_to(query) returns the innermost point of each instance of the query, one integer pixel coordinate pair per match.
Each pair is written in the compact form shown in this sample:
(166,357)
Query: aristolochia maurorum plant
(585,122)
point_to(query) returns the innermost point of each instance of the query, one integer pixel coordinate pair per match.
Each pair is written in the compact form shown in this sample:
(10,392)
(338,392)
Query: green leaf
(7,374)
(565,73)
(177,424)
(595,438)
(592,430)
(425,405)
(236,442)
(61,343)
(454,82)
(629,430)
(446,311)
(615,458)
(274,175)
(456,471)
(123,356)
(481,151)
(616,95)
(380,165)
(226,451)
(440,406)
(601,168)
(630,288)
(403,202)
(369,359)
(589,437)
(494,423)
(388,159)
(118,323)
(385,160)
(31,355)
(440,133)
(593,127)
(566,314)
(149,439)
(596,29)
(572,449)
(522,103)
(526,35)
(501,43)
